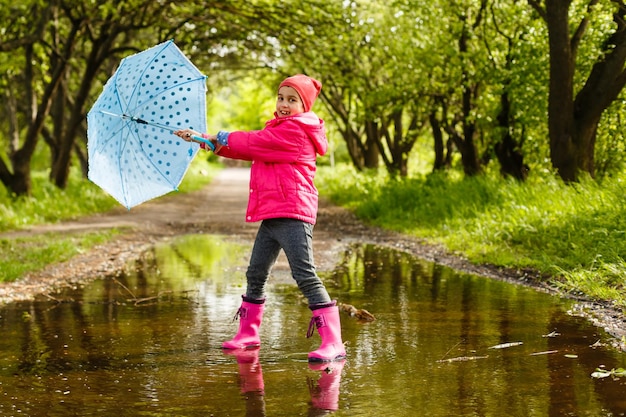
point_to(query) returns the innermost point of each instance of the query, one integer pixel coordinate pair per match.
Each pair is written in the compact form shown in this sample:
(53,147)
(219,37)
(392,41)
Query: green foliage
(574,233)
(610,151)
(49,204)
(377,60)
(244,103)
(18,256)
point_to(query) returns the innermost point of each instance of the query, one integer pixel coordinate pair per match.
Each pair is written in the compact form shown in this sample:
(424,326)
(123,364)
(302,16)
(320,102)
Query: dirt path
(219,208)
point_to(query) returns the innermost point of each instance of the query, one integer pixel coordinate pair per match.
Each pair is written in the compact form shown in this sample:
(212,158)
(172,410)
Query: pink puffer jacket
(283,157)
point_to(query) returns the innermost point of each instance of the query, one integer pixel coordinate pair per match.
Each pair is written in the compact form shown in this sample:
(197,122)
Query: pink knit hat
(308,88)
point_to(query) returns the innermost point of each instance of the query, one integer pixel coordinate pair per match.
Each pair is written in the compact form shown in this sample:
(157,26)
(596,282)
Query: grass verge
(21,255)
(572,233)
(49,204)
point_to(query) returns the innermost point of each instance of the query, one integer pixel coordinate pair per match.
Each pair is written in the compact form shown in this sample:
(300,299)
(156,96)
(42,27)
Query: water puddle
(443,343)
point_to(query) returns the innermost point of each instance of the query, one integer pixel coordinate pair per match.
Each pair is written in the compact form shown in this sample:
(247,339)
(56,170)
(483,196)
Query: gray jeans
(295,238)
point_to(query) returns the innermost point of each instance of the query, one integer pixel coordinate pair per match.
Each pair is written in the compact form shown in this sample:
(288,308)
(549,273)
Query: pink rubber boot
(326,319)
(250,315)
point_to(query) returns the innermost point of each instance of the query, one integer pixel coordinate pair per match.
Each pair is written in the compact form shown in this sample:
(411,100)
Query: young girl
(284,198)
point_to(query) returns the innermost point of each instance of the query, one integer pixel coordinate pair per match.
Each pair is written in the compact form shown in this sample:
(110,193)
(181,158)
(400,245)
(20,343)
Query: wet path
(444,344)
(218,208)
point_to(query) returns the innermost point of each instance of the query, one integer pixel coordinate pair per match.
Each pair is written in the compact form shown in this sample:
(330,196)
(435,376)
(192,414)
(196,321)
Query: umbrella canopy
(133,154)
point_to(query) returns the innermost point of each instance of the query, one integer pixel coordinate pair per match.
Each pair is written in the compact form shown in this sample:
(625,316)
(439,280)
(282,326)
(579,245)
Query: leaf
(462,359)
(603,373)
(546,352)
(600,374)
(506,345)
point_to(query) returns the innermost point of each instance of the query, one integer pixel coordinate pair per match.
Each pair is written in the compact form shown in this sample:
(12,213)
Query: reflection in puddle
(443,343)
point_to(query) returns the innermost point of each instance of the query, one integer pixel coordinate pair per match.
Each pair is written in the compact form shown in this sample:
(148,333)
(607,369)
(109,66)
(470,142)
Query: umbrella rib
(120,98)
(166,90)
(121,174)
(166,44)
(153,164)
(125,125)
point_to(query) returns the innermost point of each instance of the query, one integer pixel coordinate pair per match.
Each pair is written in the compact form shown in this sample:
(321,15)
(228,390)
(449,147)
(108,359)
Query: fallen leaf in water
(462,359)
(600,374)
(506,345)
(546,352)
(597,344)
(359,313)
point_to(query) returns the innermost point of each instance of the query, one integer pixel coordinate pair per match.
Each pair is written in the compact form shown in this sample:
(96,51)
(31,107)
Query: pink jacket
(283,157)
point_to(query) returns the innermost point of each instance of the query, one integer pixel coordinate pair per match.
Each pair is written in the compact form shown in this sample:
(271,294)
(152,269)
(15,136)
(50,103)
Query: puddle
(444,343)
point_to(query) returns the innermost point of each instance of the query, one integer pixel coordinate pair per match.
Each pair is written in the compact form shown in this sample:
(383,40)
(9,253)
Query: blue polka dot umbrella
(133,154)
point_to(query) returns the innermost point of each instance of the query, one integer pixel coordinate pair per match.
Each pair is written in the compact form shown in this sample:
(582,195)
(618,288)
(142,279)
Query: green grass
(48,204)
(18,256)
(575,234)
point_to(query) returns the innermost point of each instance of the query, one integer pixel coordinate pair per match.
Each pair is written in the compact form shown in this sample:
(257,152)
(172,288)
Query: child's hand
(187,134)
(214,143)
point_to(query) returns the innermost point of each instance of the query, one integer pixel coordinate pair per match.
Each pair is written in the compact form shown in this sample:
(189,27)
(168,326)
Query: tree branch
(536,4)
(582,28)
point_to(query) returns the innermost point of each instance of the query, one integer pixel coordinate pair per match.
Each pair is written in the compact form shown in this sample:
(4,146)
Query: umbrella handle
(208,142)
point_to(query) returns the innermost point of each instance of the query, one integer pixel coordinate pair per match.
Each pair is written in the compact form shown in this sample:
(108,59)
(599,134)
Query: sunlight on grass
(18,256)
(572,232)
(49,204)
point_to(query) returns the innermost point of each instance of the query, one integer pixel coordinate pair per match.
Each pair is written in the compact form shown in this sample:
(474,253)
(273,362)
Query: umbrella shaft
(145,122)
(141,121)
(138,120)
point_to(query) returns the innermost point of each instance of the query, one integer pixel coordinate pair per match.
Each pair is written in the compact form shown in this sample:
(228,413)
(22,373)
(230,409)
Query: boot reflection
(325,392)
(250,380)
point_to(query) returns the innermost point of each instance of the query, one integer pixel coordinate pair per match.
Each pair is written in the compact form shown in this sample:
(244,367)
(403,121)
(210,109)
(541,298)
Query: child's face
(288,102)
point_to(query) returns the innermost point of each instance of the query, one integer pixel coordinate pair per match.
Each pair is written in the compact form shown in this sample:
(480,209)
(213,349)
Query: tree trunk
(469,155)
(19,182)
(371,154)
(507,150)
(573,123)
(59,172)
(355,149)
(435,127)
(362,153)
(560,104)
(605,82)
(465,142)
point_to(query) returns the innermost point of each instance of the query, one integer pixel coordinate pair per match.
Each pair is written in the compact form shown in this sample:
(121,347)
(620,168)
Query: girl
(284,198)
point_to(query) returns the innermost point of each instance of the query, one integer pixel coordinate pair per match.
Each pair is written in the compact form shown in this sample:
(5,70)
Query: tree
(366,60)
(460,83)
(69,49)
(504,37)
(338,53)
(573,117)
(26,23)
(62,55)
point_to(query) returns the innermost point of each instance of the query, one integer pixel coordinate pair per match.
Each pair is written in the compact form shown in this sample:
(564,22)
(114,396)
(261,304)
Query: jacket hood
(312,125)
